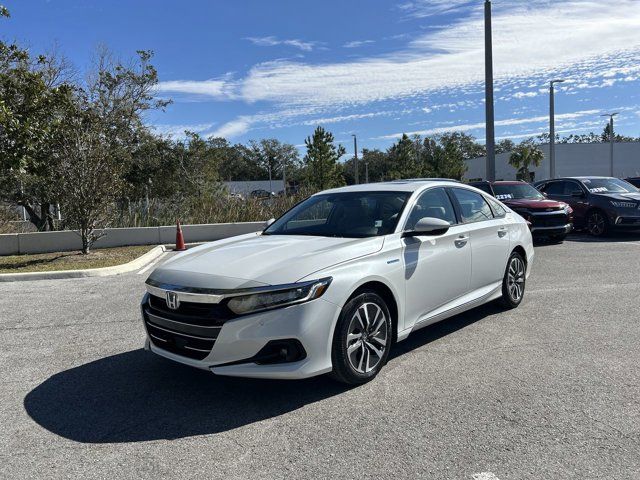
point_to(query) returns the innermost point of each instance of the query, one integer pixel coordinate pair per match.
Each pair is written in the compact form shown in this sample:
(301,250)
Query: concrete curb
(139,262)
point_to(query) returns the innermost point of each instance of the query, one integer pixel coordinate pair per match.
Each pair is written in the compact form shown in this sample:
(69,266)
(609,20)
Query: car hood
(541,204)
(257,260)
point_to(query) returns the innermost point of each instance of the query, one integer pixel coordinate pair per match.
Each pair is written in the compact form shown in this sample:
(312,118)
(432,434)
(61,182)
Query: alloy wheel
(515,279)
(367,337)
(596,224)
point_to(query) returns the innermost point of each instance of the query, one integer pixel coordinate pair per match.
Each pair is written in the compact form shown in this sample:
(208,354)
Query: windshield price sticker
(504,196)
(598,189)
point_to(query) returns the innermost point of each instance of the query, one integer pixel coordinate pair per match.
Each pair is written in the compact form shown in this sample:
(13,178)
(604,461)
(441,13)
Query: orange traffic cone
(180,246)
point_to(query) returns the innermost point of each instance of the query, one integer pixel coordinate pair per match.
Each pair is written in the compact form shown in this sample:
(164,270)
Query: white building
(572,159)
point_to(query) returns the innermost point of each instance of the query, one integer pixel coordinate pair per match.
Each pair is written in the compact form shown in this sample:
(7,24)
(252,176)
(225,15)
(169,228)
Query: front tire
(513,283)
(362,339)
(597,223)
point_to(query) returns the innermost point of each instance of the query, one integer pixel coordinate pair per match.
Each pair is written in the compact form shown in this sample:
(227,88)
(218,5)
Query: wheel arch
(523,253)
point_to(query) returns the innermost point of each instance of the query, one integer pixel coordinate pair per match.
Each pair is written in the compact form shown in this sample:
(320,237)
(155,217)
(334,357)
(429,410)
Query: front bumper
(548,231)
(626,221)
(240,339)
(542,223)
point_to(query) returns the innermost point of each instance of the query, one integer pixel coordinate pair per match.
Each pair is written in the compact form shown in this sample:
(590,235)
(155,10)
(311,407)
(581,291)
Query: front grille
(189,331)
(549,220)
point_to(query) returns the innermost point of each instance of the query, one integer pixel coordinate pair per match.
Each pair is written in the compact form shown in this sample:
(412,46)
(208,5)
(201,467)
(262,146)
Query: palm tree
(524,156)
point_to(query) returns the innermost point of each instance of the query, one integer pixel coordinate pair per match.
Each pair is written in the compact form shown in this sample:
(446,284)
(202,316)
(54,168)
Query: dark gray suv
(599,204)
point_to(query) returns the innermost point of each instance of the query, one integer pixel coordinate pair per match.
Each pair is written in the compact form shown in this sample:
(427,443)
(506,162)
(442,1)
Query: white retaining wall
(64,241)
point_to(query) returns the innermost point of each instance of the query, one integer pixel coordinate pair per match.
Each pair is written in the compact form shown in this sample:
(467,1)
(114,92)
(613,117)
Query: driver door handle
(461,241)
(502,231)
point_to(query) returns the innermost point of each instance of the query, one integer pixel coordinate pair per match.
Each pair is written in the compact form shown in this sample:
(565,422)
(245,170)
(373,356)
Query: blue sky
(253,69)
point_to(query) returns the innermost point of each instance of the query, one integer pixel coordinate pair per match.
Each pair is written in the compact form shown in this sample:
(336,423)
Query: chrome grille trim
(153,315)
(175,332)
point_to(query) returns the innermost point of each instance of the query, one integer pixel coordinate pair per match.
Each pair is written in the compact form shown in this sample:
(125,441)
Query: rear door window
(473,206)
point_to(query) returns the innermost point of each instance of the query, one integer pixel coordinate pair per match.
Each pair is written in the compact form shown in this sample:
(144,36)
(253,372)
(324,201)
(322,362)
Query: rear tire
(513,283)
(362,339)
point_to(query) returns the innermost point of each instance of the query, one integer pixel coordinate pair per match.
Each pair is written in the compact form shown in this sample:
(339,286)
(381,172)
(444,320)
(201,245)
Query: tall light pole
(488,86)
(355,157)
(611,140)
(284,176)
(552,129)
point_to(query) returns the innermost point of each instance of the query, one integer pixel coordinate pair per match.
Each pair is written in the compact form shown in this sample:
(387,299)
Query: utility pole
(355,157)
(366,171)
(611,140)
(552,129)
(490,125)
(284,176)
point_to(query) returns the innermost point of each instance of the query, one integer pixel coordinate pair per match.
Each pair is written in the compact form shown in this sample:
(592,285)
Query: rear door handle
(502,232)
(461,241)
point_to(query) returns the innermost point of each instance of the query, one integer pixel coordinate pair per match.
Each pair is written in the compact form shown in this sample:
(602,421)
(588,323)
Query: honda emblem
(173,301)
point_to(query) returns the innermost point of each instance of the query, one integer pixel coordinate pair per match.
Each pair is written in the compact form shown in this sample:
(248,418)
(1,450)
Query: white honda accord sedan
(337,280)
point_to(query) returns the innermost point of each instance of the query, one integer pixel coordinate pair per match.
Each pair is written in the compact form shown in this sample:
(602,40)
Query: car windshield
(348,214)
(608,185)
(519,191)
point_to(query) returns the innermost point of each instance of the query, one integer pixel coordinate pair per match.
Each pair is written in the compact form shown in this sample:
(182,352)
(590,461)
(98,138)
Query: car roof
(584,177)
(588,177)
(408,185)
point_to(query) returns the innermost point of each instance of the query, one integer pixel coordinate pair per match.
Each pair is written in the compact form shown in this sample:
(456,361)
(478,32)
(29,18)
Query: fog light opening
(280,351)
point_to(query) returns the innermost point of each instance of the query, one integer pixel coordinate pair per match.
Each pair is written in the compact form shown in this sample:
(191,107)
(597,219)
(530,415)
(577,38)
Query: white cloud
(428,8)
(271,41)
(234,128)
(533,41)
(343,118)
(499,123)
(559,37)
(525,94)
(178,130)
(215,88)
(358,43)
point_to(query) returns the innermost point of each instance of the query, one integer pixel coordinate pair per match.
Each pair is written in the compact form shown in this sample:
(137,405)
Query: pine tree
(321,161)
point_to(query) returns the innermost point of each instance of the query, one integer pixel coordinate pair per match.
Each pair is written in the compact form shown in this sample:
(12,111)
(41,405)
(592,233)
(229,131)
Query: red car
(547,218)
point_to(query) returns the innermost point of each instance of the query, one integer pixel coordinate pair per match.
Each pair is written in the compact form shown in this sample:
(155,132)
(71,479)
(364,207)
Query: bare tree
(105,126)
(89,178)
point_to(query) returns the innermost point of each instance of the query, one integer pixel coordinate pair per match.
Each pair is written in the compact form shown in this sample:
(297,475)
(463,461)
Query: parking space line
(484,476)
(152,264)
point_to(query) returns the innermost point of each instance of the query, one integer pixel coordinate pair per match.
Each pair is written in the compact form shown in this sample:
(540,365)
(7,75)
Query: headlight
(624,204)
(278,297)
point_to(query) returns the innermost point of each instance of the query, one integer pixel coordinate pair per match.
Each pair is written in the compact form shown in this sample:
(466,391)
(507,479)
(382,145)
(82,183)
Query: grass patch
(49,262)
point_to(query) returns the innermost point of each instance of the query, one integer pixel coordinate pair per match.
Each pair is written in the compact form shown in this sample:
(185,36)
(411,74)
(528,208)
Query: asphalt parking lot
(550,390)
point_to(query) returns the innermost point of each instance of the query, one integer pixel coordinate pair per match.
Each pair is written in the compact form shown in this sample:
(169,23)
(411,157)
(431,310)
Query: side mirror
(268,223)
(428,226)
(577,194)
(544,194)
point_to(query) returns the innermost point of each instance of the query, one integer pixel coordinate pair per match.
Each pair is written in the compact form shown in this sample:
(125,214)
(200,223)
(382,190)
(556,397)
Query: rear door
(488,236)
